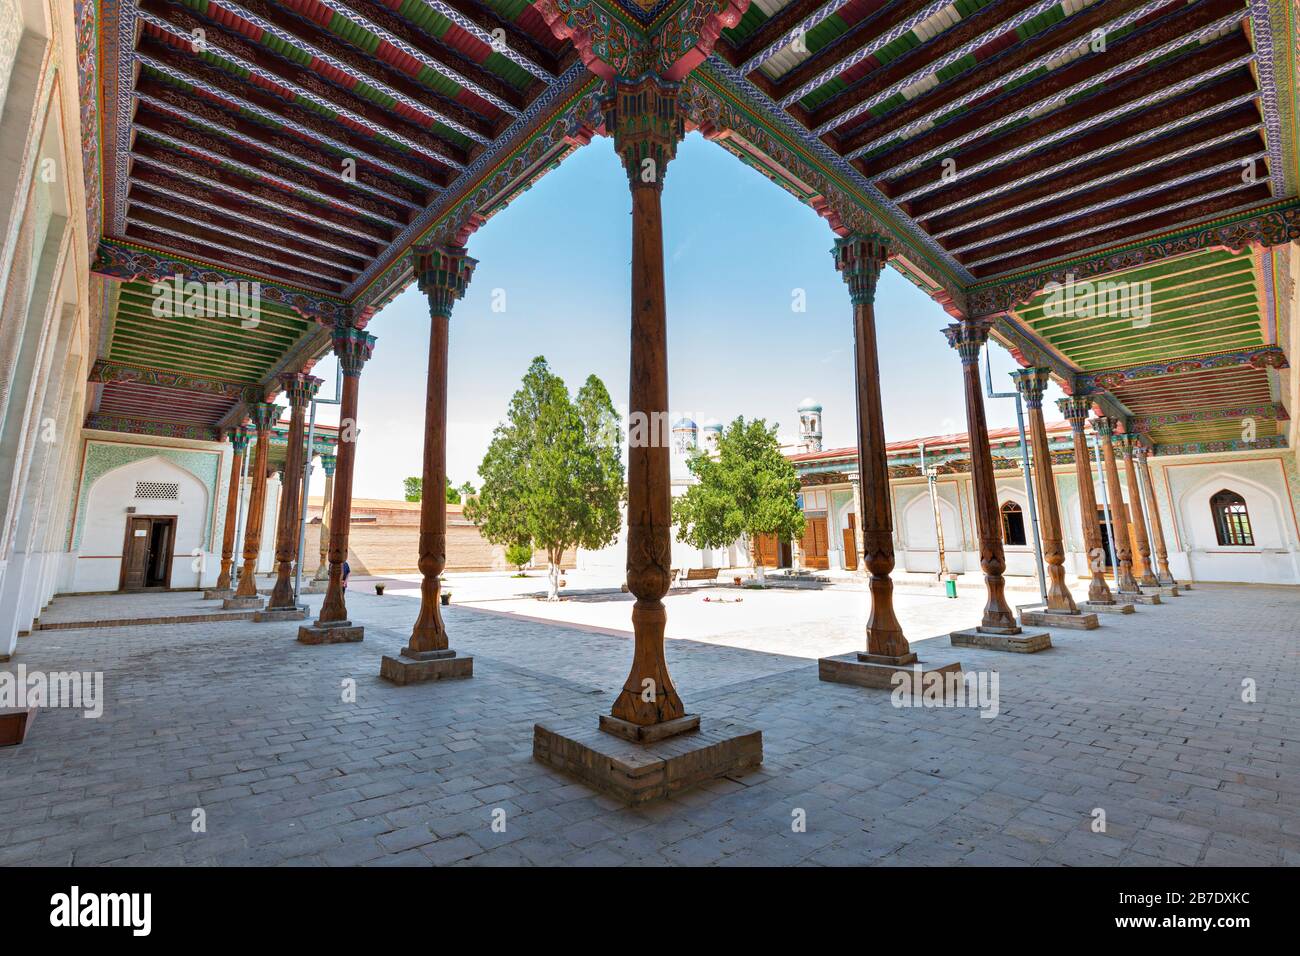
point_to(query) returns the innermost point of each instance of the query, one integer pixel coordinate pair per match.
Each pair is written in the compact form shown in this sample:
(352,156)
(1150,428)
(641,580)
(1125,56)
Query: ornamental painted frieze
(125,263)
(1272,227)
(1269,357)
(134,375)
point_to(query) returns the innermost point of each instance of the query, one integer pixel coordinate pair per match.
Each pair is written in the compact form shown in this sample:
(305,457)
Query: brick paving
(1142,718)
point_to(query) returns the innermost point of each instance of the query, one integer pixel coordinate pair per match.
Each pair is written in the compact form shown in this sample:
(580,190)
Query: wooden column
(1142,560)
(1075,409)
(299,389)
(968,337)
(643,118)
(1125,583)
(264,416)
(239,441)
(1031,383)
(1163,574)
(859,258)
(353,347)
(443,274)
(327,500)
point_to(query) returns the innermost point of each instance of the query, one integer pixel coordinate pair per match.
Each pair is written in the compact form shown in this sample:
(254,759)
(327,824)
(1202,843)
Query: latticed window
(1013,523)
(1231,520)
(168,490)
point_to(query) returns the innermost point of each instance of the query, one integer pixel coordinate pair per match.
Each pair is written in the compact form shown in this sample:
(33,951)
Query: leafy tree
(553,474)
(466,491)
(414,488)
(519,555)
(748,489)
(453,493)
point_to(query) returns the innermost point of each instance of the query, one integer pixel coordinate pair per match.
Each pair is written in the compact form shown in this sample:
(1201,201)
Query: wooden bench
(702,574)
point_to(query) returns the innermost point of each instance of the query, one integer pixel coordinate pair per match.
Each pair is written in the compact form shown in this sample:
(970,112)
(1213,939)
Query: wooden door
(769,550)
(814,544)
(135,553)
(851,544)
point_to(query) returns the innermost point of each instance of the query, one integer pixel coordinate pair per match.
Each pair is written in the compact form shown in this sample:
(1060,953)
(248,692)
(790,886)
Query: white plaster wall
(99,561)
(916,519)
(1262,483)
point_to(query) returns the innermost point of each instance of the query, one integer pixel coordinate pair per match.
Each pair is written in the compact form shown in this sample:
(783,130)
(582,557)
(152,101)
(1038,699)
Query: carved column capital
(264,415)
(968,337)
(1031,383)
(643,117)
(299,388)
(353,347)
(443,274)
(239,438)
(328,462)
(1076,409)
(1104,426)
(860,257)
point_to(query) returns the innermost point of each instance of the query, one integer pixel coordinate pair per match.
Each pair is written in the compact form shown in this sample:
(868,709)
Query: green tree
(553,474)
(453,493)
(414,488)
(519,555)
(748,489)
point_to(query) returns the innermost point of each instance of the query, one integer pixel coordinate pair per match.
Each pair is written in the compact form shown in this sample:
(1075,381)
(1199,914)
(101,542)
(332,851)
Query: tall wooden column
(643,118)
(299,389)
(1125,583)
(353,347)
(443,274)
(264,416)
(1142,560)
(1031,383)
(323,570)
(1075,409)
(859,258)
(1163,574)
(238,441)
(968,337)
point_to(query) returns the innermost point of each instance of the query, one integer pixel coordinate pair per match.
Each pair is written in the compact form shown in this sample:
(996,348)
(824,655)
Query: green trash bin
(950,587)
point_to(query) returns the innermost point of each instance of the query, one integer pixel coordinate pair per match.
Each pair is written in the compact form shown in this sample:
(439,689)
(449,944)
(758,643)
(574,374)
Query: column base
(1115,608)
(875,670)
(1124,597)
(331,632)
(14,724)
(218,594)
(281,614)
(1021,643)
(1077,622)
(415,666)
(637,773)
(1165,590)
(241,604)
(648,733)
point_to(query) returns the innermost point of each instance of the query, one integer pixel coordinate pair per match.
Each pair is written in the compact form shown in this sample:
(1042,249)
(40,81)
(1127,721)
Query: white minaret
(712,430)
(810,425)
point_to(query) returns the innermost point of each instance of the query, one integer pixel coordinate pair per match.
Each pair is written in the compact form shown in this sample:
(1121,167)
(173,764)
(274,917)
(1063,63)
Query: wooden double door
(147,552)
(815,545)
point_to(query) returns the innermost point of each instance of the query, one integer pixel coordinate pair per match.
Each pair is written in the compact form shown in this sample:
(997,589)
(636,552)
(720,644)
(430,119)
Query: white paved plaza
(1143,719)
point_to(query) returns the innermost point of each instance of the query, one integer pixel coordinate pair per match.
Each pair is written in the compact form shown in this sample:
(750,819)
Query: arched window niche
(1013,523)
(1231,520)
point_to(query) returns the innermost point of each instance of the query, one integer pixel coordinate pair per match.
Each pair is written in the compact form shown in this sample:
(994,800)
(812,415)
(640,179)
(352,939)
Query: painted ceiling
(1003,144)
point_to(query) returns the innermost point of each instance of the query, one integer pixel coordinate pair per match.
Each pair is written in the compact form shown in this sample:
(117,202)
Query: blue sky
(736,248)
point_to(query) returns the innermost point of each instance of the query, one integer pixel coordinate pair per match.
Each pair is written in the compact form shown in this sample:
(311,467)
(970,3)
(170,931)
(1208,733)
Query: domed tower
(810,425)
(684,435)
(712,432)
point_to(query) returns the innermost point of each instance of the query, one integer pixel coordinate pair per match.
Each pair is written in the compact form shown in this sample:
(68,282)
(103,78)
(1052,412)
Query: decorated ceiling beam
(1262,358)
(123,262)
(1272,411)
(105,371)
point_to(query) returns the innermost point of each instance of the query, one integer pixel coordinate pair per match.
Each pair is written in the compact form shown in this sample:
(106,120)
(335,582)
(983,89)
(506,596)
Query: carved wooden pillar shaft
(968,337)
(1163,574)
(327,502)
(642,117)
(443,274)
(239,440)
(859,258)
(264,416)
(299,389)
(1142,560)
(1075,409)
(353,348)
(1031,382)
(1125,583)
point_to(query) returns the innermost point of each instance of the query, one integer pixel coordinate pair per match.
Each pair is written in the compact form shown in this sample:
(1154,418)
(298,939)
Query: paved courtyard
(1142,719)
